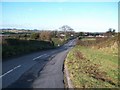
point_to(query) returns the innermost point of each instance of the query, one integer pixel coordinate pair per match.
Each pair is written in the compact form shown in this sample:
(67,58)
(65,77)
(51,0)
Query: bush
(14,47)
(34,36)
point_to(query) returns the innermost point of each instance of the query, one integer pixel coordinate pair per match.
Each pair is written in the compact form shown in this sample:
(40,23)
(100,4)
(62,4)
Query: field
(94,66)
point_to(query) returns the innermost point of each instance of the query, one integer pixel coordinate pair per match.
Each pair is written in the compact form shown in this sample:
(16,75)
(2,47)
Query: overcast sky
(81,16)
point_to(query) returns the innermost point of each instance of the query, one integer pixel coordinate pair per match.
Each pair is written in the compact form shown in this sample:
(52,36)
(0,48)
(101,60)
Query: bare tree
(66,28)
(67,31)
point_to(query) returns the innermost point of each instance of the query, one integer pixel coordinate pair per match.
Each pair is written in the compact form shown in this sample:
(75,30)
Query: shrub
(14,47)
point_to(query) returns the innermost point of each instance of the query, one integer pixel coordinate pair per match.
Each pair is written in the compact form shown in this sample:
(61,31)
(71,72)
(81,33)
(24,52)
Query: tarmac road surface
(38,70)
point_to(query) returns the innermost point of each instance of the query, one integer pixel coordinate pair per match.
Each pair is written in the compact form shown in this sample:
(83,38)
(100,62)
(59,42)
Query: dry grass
(92,67)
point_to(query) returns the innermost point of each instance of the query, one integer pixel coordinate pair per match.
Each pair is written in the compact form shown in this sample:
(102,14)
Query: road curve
(52,74)
(38,70)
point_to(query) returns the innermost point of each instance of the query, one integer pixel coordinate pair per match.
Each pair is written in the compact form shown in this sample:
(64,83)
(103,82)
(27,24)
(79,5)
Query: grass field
(84,39)
(92,67)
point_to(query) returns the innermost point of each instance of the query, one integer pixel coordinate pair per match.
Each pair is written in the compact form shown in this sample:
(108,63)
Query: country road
(38,70)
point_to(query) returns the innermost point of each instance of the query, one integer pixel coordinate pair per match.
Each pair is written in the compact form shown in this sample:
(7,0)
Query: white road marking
(39,56)
(10,71)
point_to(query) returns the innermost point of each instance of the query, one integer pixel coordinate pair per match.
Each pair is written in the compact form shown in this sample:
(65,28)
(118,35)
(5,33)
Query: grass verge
(92,68)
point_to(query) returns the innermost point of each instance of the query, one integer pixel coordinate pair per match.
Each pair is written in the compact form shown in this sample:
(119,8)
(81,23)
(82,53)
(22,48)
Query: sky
(81,16)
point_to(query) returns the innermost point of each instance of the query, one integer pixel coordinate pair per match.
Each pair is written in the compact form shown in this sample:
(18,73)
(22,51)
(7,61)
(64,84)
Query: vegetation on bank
(90,66)
(23,43)
(14,47)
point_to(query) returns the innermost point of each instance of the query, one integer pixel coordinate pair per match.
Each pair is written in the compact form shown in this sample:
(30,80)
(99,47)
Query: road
(38,70)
